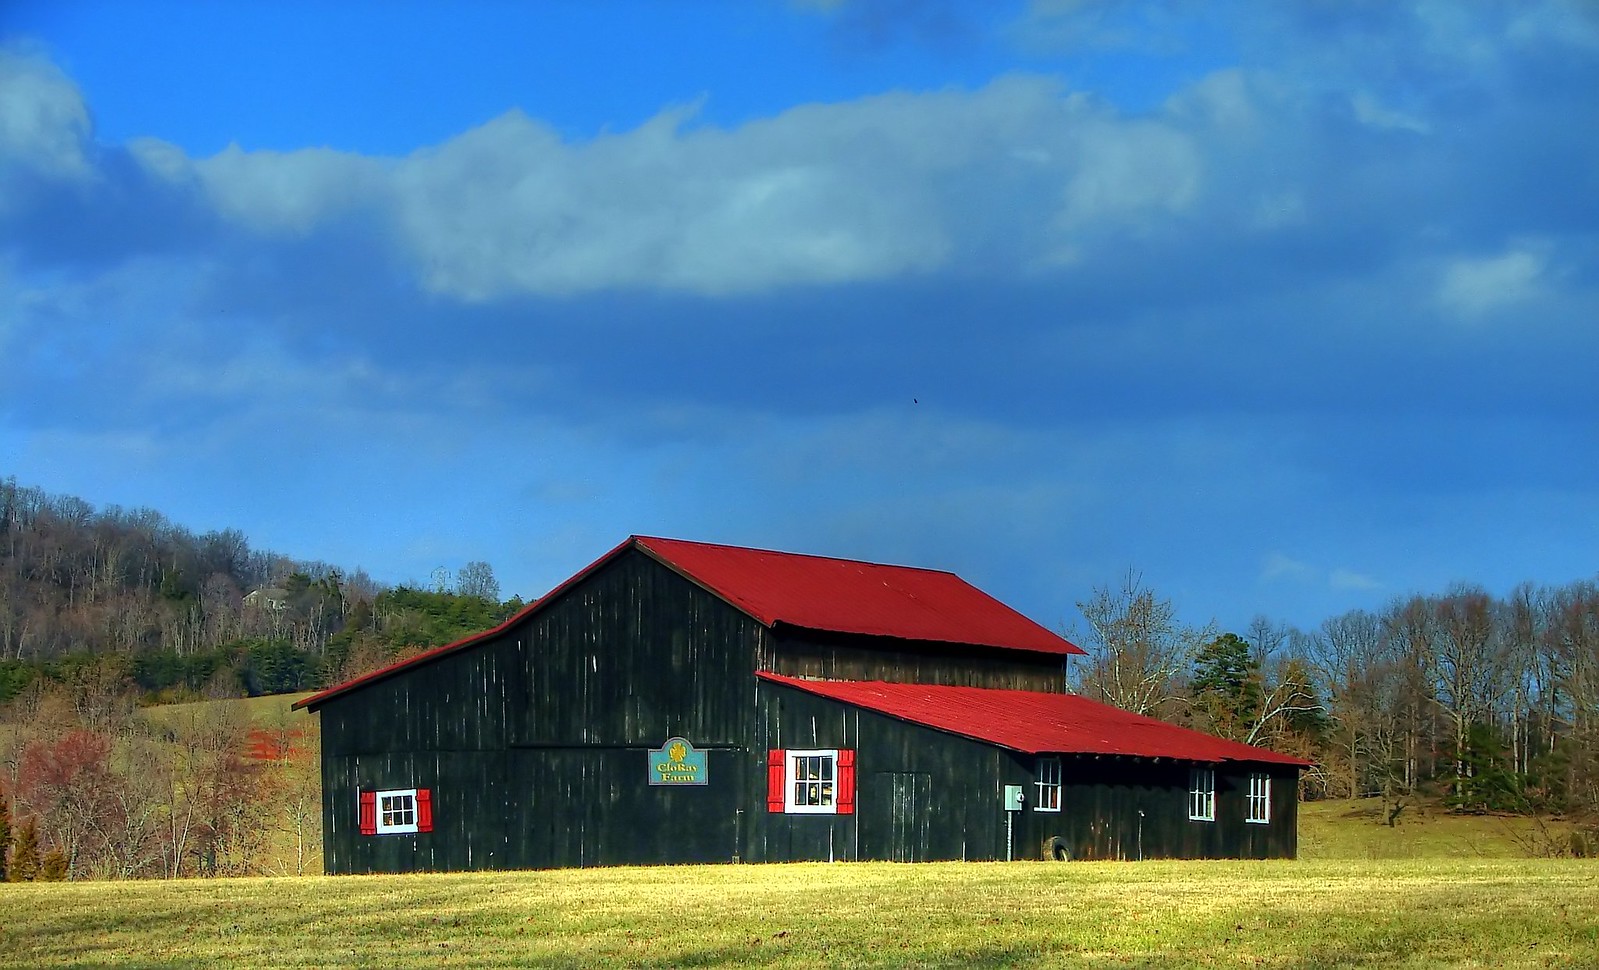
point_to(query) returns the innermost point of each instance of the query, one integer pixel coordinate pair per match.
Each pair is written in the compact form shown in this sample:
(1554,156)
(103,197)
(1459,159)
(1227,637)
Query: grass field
(254,710)
(1456,913)
(1352,829)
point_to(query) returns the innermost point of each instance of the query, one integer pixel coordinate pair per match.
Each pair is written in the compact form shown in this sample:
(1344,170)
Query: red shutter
(774,781)
(424,809)
(846,781)
(369,813)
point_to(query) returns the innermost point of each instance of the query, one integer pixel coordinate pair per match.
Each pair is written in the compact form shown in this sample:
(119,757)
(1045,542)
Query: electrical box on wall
(1013,798)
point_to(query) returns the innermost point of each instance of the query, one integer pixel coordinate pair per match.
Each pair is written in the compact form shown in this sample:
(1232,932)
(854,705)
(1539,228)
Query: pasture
(1383,913)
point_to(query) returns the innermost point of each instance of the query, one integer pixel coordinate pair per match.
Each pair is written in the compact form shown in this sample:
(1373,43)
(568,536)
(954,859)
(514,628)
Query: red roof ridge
(792,555)
(1034,722)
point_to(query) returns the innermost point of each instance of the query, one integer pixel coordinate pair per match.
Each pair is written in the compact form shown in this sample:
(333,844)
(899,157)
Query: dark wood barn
(685,702)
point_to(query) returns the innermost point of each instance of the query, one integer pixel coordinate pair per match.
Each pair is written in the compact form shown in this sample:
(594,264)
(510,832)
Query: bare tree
(1468,666)
(1138,648)
(476,578)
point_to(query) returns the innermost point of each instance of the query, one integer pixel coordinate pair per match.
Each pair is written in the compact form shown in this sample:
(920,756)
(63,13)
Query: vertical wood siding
(959,805)
(534,746)
(534,743)
(825,656)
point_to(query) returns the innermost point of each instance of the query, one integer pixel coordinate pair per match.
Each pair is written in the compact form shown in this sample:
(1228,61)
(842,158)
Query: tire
(1056,848)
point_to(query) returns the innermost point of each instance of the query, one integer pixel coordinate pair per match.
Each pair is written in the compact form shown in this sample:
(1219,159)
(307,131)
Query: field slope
(1389,913)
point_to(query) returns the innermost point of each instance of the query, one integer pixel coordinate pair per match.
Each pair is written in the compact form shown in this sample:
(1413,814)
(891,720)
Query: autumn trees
(174,791)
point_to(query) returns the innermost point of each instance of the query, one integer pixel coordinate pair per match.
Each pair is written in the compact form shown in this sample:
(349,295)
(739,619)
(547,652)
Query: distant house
(273,599)
(686,702)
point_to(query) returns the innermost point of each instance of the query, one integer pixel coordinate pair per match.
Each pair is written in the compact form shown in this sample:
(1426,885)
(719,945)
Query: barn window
(397,811)
(1202,795)
(817,781)
(1048,783)
(1259,803)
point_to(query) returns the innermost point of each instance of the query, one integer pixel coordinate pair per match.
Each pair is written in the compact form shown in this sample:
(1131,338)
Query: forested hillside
(136,597)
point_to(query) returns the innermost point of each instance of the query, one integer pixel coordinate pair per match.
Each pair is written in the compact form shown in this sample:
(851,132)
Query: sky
(1286,308)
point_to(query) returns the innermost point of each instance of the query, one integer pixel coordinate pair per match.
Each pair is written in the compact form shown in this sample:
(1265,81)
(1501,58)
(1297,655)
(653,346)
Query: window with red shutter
(814,781)
(846,781)
(775,780)
(367,803)
(396,811)
(424,810)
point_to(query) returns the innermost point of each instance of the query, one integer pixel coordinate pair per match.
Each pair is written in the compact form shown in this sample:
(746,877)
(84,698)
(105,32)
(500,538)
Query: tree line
(181,614)
(1489,703)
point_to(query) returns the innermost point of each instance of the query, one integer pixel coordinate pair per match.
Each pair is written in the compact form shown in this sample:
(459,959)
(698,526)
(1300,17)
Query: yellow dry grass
(1439,913)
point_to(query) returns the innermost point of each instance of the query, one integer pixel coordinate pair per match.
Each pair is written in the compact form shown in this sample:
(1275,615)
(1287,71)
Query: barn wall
(535,743)
(829,656)
(469,795)
(635,654)
(924,795)
(1101,801)
(595,807)
(921,795)
(441,725)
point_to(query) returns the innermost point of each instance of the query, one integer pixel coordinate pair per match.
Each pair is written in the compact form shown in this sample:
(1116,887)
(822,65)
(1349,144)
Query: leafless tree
(1138,649)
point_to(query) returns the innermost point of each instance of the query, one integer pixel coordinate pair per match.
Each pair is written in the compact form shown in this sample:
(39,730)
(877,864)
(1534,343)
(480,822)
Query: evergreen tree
(5,834)
(54,867)
(25,855)
(1226,686)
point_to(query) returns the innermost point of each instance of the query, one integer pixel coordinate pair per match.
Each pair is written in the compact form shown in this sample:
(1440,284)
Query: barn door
(895,828)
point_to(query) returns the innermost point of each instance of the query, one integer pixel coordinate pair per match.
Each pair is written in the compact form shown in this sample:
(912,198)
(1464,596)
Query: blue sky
(1291,308)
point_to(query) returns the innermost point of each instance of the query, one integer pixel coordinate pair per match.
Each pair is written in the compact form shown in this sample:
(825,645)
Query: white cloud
(1349,579)
(1281,567)
(1126,169)
(1473,287)
(44,124)
(877,188)
(289,192)
(1369,111)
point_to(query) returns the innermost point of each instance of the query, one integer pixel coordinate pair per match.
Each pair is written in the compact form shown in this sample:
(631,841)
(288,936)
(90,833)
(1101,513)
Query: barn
(686,702)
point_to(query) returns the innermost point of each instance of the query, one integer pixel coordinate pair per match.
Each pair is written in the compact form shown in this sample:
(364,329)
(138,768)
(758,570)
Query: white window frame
(1202,794)
(393,808)
(1047,785)
(797,791)
(1258,803)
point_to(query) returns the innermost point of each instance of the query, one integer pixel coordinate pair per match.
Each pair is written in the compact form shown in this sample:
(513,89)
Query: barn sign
(677,763)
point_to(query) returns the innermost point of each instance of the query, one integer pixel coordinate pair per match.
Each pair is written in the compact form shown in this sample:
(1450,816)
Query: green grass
(271,708)
(1456,913)
(1353,829)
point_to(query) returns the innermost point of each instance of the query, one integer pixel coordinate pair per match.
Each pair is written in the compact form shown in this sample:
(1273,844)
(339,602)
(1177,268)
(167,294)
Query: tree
(477,579)
(53,868)
(1235,696)
(5,834)
(1138,648)
(1468,665)
(25,856)
(1226,686)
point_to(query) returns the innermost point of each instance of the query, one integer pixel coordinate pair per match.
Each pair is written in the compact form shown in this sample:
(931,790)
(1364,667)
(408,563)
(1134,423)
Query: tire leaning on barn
(1056,848)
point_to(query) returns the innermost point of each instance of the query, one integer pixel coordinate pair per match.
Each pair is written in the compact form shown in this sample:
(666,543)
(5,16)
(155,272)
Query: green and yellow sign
(677,763)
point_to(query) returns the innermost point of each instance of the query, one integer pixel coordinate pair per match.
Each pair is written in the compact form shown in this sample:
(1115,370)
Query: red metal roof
(814,592)
(847,596)
(1033,722)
